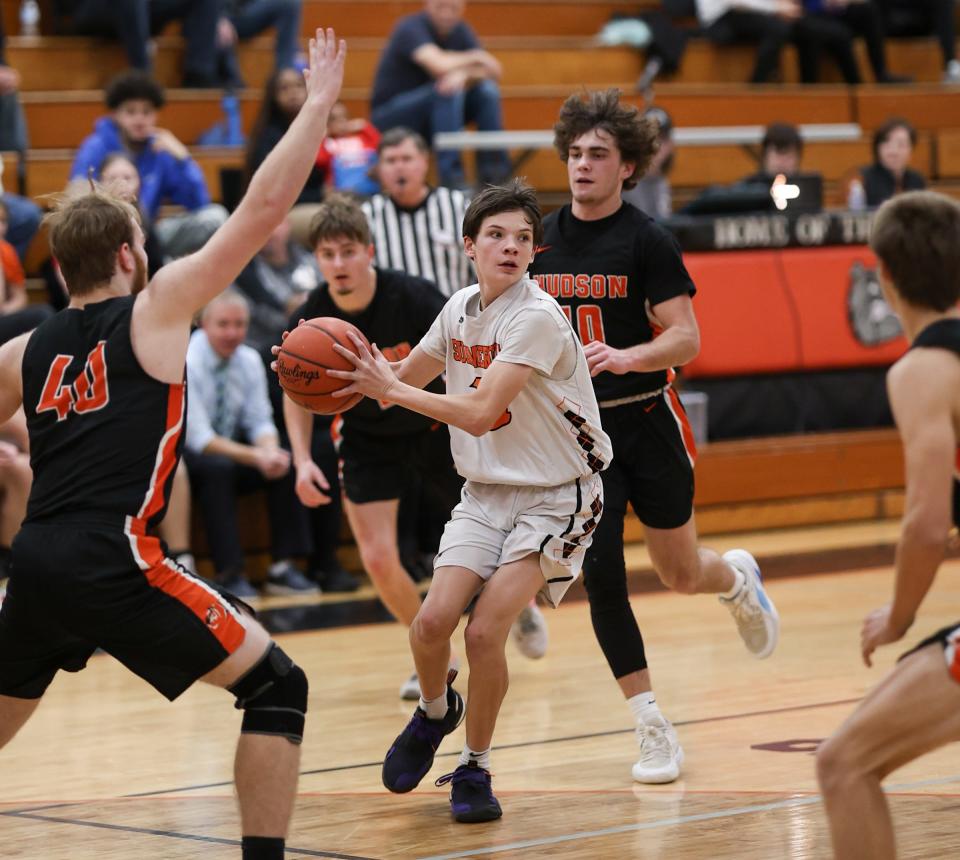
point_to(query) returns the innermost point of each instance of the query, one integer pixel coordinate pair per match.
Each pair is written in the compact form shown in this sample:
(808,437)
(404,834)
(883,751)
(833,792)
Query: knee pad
(273,697)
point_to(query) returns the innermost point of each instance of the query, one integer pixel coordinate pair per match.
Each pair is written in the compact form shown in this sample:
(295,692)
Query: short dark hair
(917,237)
(339,217)
(889,127)
(781,136)
(135,84)
(637,137)
(494,199)
(86,232)
(397,135)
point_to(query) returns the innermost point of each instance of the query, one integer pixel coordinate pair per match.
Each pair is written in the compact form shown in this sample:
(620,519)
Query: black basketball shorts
(75,588)
(380,468)
(653,457)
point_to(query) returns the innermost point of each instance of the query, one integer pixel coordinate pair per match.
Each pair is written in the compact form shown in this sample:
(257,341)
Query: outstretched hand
(372,375)
(324,74)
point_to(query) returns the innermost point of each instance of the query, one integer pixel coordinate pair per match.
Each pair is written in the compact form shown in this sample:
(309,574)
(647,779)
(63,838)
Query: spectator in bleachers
(922,18)
(652,193)
(417,229)
(893,144)
(768,23)
(243,19)
(232,447)
(433,76)
(16,314)
(24,215)
(835,23)
(283,95)
(120,175)
(781,152)
(167,172)
(349,152)
(133,22)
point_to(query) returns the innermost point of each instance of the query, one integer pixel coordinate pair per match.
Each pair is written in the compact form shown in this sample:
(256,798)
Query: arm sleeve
(665,275)
(256,419)
(535,338)
(434,342)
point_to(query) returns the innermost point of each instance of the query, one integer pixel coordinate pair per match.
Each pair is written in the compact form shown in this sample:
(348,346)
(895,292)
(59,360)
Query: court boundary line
(524,744)
(902,789)
(172,834)
(673,820)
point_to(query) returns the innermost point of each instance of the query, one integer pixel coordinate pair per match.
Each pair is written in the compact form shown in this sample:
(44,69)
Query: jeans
(256,16)
(428,112)
(133,21)
(25,218)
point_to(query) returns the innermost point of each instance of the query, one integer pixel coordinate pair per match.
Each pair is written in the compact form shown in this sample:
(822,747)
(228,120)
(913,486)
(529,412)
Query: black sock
(262,848)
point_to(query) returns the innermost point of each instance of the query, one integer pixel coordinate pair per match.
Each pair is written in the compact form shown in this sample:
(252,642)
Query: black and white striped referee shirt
(426,241)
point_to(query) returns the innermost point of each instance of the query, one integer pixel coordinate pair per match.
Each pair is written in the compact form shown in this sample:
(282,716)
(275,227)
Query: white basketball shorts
(496,524)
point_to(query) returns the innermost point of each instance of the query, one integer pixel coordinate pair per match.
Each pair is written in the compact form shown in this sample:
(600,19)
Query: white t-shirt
(550,433)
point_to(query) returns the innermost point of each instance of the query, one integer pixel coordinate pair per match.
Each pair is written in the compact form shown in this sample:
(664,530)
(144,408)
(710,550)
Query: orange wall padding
(780,311)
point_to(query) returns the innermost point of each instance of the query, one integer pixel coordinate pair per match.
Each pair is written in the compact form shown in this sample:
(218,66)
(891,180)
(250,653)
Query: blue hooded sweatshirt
(162,177)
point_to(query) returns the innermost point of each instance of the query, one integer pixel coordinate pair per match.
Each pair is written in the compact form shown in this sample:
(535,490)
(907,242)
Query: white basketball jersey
(550,433)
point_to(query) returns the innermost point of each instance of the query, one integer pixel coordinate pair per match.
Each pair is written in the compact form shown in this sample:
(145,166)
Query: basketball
(306,356)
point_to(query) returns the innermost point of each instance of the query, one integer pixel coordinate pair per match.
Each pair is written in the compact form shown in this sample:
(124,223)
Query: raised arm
(180,289)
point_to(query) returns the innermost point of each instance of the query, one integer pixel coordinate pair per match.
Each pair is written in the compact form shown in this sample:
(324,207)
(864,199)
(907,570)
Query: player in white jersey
(525,433)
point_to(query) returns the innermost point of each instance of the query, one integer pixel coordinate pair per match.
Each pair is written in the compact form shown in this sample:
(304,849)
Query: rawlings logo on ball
(299,374)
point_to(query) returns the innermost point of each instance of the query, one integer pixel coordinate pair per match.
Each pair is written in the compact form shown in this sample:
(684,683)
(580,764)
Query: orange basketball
(305,357)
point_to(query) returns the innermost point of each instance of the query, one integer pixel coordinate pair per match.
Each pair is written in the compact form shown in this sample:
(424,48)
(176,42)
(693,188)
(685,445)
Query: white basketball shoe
(529,631)
(756,616)
(661,755)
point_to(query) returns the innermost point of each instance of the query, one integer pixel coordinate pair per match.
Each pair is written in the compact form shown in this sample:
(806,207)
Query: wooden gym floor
(107,769)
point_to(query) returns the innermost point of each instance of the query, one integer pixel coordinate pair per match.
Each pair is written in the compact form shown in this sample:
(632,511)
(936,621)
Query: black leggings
(651,471)
(605,579)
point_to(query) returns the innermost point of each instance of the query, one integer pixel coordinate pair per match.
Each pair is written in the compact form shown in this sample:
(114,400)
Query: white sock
(435,709)
(738,582)
(644,708)
(481,758)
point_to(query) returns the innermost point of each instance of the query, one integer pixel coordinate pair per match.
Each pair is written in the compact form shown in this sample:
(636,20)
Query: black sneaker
(471,798)
(238,586)
(411,756)
(336,579)
(289,580)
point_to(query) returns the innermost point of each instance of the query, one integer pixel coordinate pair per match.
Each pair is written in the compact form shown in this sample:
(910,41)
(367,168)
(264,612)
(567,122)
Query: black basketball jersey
(401,313)
(945,334)
(603,273)
(105,437)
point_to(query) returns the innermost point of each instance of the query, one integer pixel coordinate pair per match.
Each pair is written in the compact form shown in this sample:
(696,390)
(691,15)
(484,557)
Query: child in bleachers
(349,152)
(16,315)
